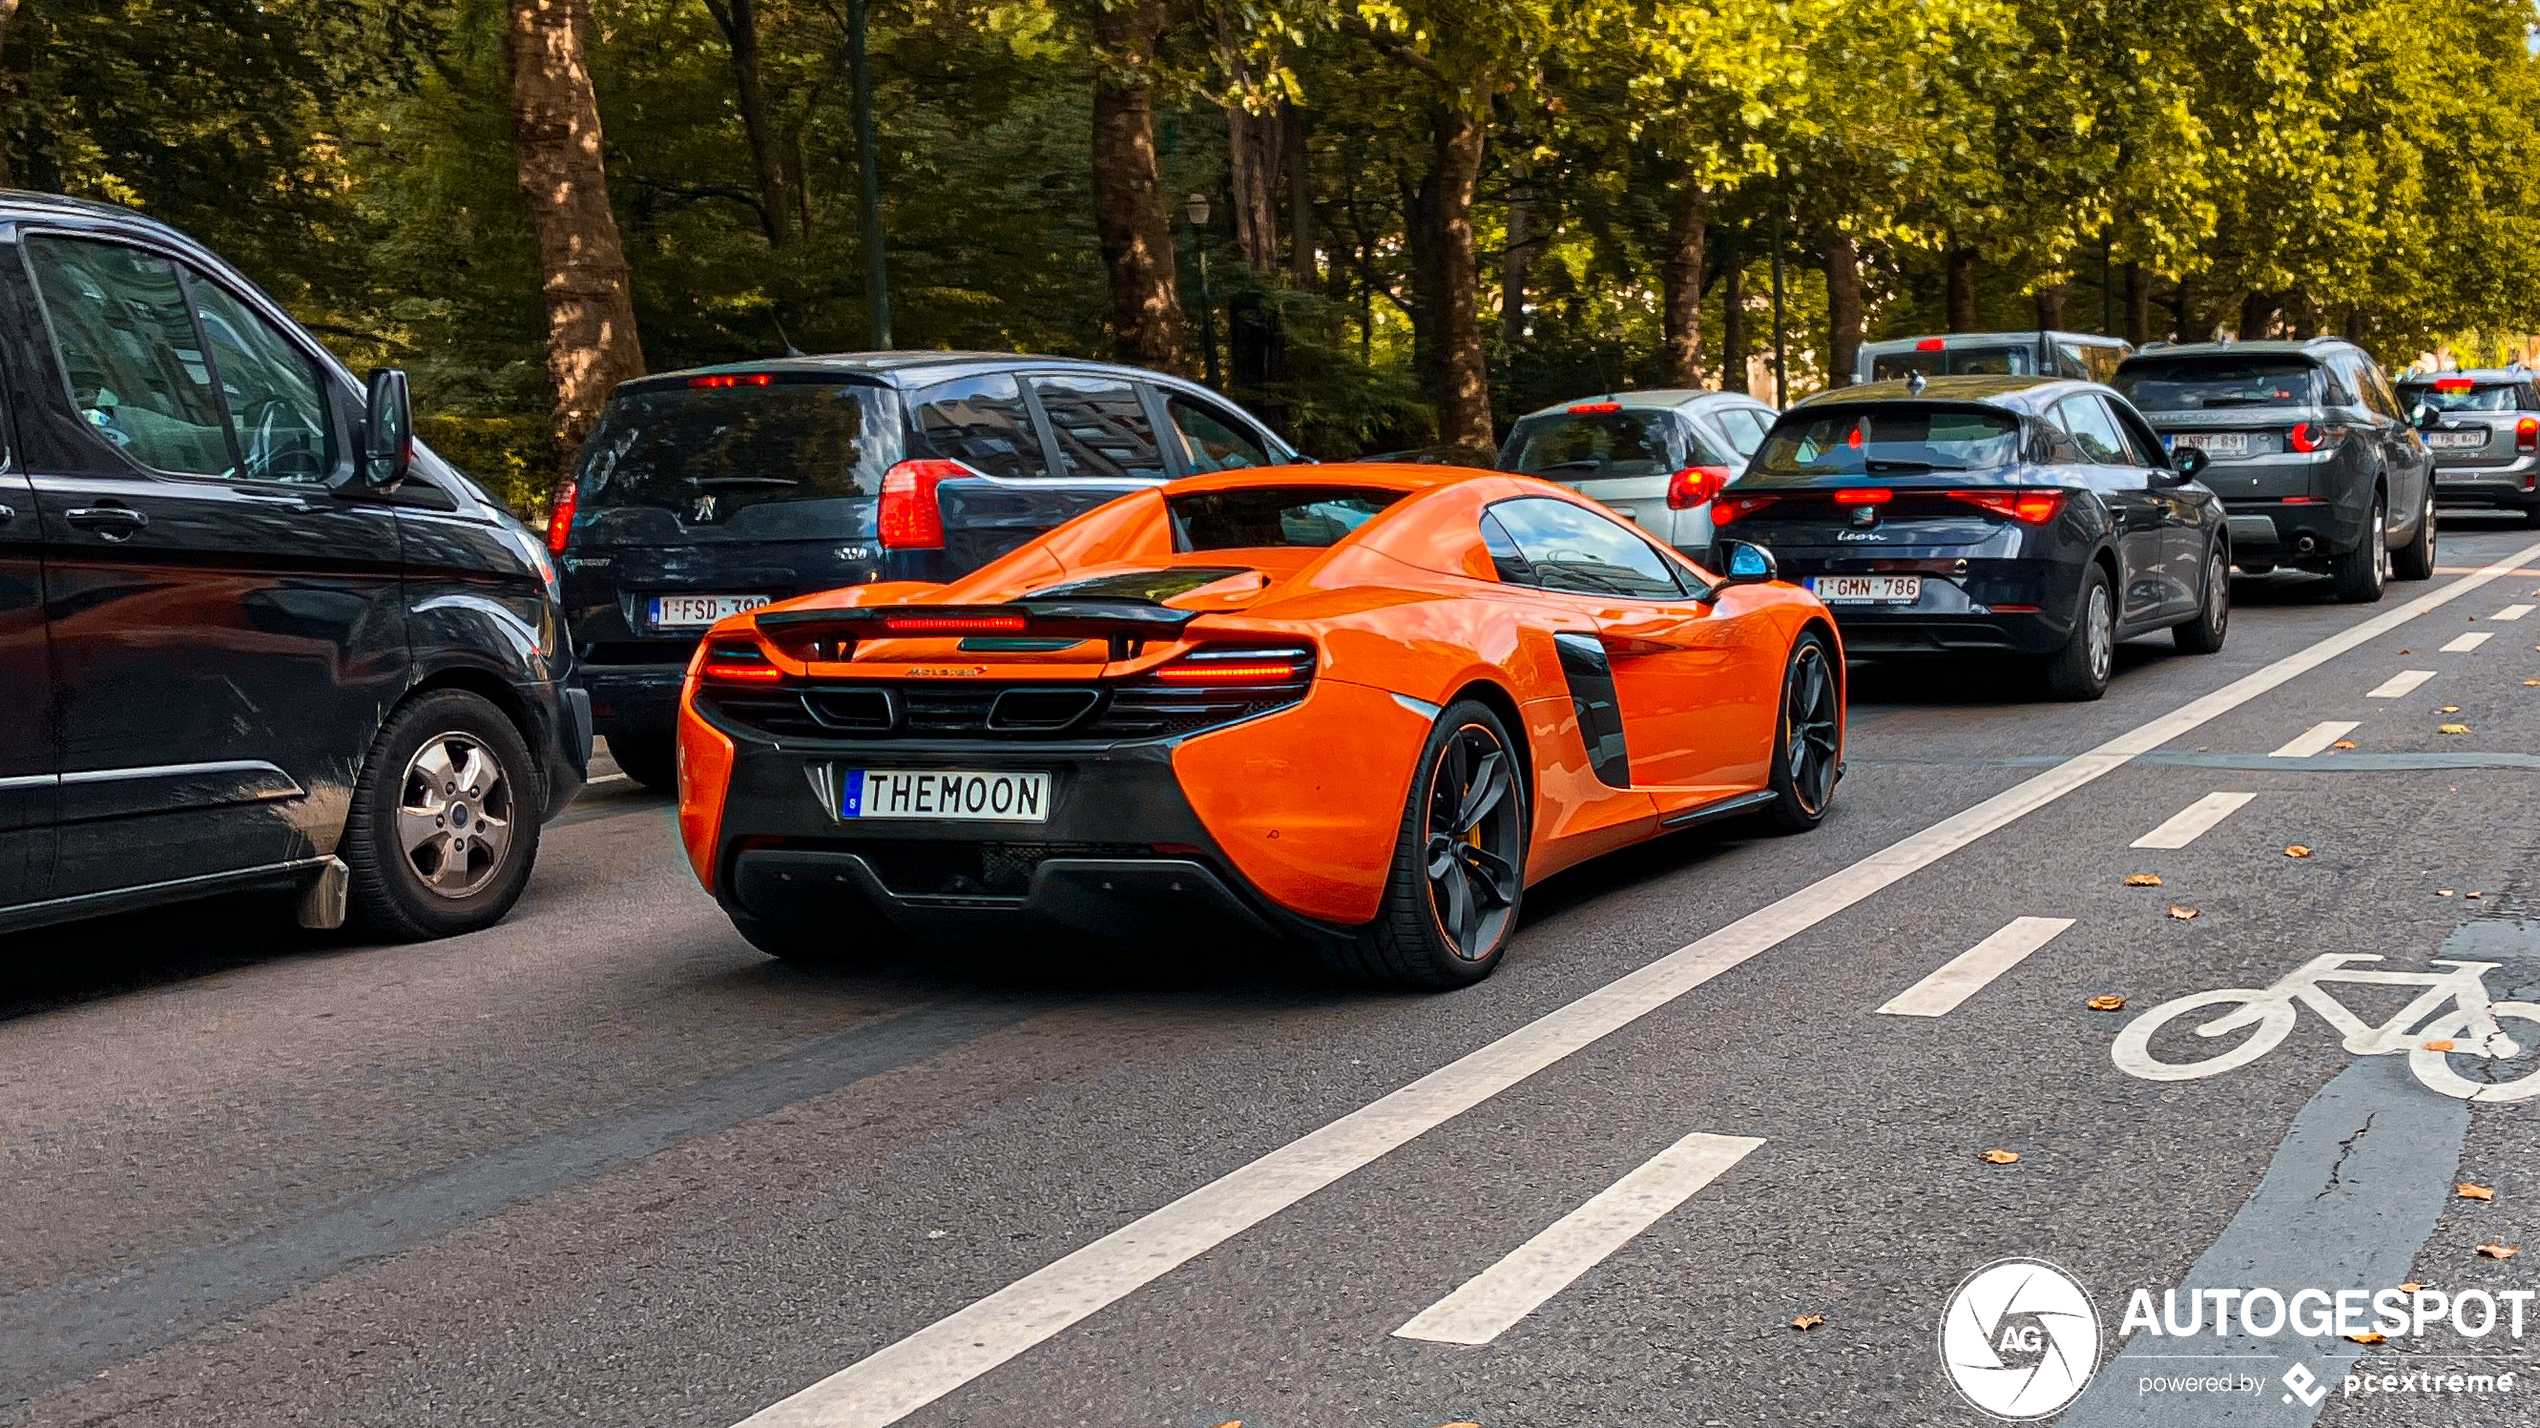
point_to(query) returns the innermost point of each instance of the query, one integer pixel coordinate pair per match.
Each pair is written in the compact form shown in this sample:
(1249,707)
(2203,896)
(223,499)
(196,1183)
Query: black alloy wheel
(1807,739)
(1458,874)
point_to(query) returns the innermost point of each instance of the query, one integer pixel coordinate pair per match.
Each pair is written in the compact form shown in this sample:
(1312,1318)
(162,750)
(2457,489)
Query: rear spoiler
(1126,624)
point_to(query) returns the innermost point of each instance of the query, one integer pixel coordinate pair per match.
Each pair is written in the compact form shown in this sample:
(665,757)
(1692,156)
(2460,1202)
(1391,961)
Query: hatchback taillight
(1725,509)
(911,518)
(1694,485)
(560,516)
(2527,435)
(2029,508)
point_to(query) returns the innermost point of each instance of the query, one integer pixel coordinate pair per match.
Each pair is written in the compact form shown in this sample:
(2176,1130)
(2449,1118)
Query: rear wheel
(2415,560)
(2531,515)
(1459,862)
(2204,634)
(650,759)
(2363,573)
(2081,668)
(1808,744)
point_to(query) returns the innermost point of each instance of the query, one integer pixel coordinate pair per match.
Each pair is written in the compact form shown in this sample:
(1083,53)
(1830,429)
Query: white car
(1655,458)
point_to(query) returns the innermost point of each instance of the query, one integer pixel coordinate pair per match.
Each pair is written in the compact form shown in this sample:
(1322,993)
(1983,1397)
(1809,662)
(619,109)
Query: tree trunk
(1516,259)
(738,20)
(2050,308)
(1962,289)
(591,342)
(1733,334)
(1459,364)
(2182,309)
(1302,269)
(1253,163)
(1137,238)
(1843,306)
(1680,278)
(2257,315)
(2138,305)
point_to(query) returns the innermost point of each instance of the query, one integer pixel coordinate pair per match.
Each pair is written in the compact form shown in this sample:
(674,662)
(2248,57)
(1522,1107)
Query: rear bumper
(634,698)
(2285,531)
(2517,484)
(1960,611)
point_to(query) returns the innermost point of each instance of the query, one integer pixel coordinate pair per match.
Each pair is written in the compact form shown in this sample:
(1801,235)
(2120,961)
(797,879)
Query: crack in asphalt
(2345,1148)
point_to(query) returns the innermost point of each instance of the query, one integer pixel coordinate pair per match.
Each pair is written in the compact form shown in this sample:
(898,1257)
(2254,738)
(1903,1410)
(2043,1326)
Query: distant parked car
(1656,458)
(252,633)
(2484,431)
(1989,515)
(705,493)
(2087,355)
(2313,455)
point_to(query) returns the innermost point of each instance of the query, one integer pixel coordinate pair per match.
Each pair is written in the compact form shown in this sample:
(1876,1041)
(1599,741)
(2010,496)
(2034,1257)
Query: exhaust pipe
(2306,544)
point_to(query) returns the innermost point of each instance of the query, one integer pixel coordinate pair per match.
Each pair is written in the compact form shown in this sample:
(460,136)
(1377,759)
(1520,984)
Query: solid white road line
(1973,970)
(2401,685)
(1491,1302)
(2463,644)
(2512,612)
(900,1378)
(2315,739)
(2194,821)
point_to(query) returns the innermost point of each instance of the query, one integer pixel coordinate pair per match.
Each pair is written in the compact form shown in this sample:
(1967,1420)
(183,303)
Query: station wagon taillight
(1694,485)
(910,518)
(2029,508)
(2527,435)
(560,516)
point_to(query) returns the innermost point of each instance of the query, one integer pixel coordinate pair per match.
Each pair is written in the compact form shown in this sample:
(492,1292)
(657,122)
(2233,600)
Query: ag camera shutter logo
(2020,1339)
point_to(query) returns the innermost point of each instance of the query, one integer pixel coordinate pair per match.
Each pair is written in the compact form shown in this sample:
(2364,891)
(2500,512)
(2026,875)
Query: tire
(2434,1068)
(650,759)
(2204,634)
(403,834)
(800,944)
(1432,881)
(2362,574)
(1807,739)
(2415,560)
(2079,671)
(2256,567)
(2531,516)
(2273,1018)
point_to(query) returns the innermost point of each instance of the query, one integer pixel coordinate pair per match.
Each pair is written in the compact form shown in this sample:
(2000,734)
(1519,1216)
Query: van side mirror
(2190,462)
(388,431)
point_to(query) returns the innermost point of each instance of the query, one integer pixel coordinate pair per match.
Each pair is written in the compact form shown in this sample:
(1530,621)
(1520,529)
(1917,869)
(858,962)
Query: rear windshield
(2464,396)
(708,453)
(2020,361)
(1582,446)
(1308,516)
(2195,384)
(1885,440)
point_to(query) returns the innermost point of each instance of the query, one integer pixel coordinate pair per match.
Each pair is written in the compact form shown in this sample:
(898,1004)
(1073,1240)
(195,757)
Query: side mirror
(2425,418)
(388,431)
(1744,563)
(2190,462)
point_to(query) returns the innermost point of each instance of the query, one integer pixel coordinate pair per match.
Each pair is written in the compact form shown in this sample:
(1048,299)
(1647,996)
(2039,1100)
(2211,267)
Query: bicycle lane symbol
(2449,1025)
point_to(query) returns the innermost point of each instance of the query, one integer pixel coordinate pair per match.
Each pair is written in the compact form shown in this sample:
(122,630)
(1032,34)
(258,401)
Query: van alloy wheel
(454,815)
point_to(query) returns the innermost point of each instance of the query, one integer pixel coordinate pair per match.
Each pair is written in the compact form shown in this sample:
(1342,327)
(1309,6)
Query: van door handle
(111,522)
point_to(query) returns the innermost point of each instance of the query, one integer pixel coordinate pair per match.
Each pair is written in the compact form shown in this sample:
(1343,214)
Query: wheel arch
(1500,701)
(494,690)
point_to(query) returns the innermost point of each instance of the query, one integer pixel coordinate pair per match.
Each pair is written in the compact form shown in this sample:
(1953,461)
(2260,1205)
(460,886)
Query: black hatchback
(2004,515)
(708,492)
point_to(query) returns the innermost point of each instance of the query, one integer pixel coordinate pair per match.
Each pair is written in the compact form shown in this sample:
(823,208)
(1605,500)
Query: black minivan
(252,633)
(707,492)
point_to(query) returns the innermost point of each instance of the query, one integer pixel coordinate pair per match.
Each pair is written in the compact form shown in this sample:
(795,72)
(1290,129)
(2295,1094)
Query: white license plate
(2213,443)
(1867,589)
(695,612)
(952,795)
(2455,440)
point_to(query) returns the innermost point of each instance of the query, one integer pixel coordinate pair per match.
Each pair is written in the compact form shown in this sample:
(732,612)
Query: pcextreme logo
(2020,1339)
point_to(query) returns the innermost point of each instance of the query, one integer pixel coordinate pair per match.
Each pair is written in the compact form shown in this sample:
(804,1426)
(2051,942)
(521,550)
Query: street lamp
(1196,210)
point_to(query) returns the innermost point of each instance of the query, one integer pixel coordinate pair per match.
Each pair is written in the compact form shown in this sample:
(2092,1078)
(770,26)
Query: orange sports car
(1361,705)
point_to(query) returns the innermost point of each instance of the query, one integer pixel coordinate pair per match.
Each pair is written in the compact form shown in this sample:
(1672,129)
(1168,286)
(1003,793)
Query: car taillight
(920,624)
(2454,384)
(911,519)
(1864,496)
(1233,664)
(2527,435)
(560,517)
(2029,508)
(1930,344)
(2306,437)
(1725,509)
(734,379)
(1694,485)
(1595,408)
(737,662)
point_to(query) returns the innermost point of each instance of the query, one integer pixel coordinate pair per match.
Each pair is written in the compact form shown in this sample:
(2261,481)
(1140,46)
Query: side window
(2339,371)
(983,424)
(1211,442)
(136,367)
(1573,549)
(2094,430)
(2142,449)
(1101,427)
(273,390)
(1745,428)
(1505,558)
(2377,385)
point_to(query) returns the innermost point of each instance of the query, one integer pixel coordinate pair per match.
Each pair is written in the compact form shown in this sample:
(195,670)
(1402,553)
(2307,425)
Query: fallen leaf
(2183,914)
(937,1234)
(2143,880)
(2449,709)
(2108,1002)
(2343,744)
(2443,892)
(2438,1046)
(2531,684)
(2474,1192)
(2478,894)
(2369,1338)
(2500,1251)
(2298,850)
(2001,1157)
(1804,1321)
(2453,729)
(2410,1287)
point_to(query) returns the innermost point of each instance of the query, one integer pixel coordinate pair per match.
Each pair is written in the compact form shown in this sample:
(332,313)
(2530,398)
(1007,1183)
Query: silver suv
(2484,430)
(2087,355)
(1655,458)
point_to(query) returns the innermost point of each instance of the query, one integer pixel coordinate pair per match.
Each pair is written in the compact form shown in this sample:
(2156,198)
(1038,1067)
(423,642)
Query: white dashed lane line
(1973,970)
(2463,644)
(2315,739)
(2401,685)
(2194,821)
(1491,1302)
(2512,612)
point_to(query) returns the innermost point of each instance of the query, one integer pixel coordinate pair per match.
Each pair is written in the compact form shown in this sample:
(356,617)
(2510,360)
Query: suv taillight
(560,517)
(2527,435)
(2307,437)
(1694,485)
(911,519)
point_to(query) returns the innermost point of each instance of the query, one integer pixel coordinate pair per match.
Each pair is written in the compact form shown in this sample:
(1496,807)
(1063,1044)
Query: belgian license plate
(695,612)
(951,795)
(1867,589)
(2455,440)
(2213,443)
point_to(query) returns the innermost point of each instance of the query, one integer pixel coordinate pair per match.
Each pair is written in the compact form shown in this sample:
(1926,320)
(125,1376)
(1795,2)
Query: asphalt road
(606,1164)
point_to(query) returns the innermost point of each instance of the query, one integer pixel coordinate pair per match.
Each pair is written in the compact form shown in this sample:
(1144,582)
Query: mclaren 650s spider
(1361,706)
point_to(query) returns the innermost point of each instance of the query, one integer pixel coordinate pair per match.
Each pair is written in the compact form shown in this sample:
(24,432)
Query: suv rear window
(2463,395)
(708,451)
(1894,439)
(1585,446)
(2020,361)
(1273,516)
(2193,384)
